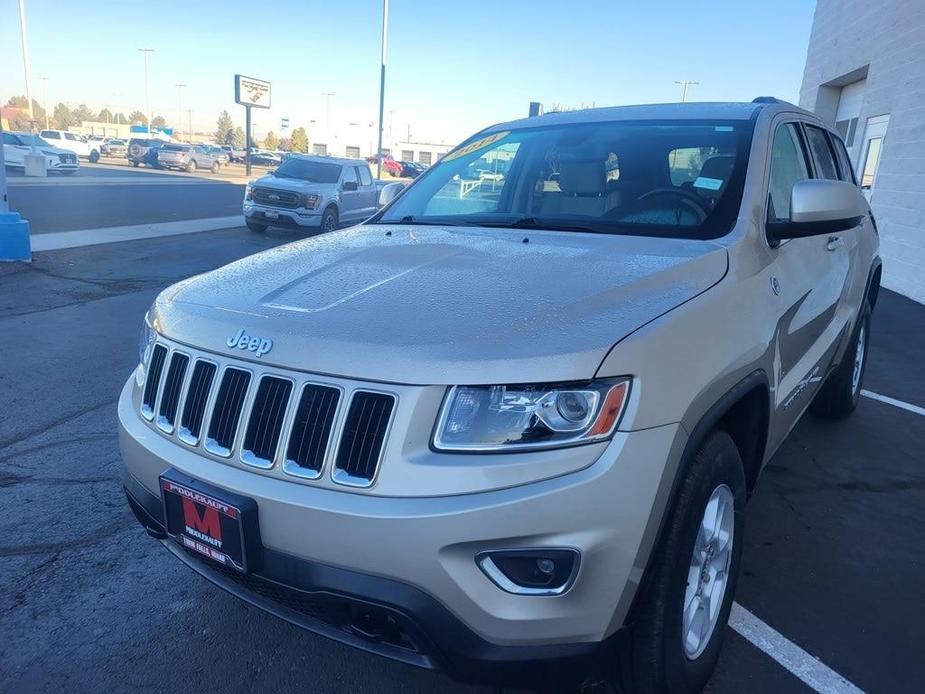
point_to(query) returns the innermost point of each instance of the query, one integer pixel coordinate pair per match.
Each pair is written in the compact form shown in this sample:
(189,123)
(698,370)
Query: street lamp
(684,85)
(26,67)
(385,33)
(327,114)
(145,51)
(45,99)
(179,109)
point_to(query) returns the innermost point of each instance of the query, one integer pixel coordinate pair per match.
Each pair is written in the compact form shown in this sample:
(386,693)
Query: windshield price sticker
(481,143)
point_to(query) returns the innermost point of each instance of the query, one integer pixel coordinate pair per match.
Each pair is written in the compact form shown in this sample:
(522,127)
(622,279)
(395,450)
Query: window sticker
(708,183)
(481,143)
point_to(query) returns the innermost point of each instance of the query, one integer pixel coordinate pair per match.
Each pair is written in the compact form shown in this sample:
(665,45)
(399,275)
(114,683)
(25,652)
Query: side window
(845,172)
(10,139)
(70,136)
(788,165)
(51,135)
(822,153)
(365,178)
(349,174)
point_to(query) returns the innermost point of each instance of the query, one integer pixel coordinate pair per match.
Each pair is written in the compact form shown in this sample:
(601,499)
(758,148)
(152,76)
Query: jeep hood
(432,305)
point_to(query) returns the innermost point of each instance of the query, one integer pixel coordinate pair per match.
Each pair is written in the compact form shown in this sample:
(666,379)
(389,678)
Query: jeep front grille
(170,398)
(364,434)
(266,421)
(311,430)
(197,397)
(265,418)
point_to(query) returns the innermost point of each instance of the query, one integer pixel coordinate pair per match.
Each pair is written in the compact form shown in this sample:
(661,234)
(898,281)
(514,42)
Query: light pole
(45,99)
(179,108)
(385,33)
(684,85)
(26,66)
(145,52)
(189,123)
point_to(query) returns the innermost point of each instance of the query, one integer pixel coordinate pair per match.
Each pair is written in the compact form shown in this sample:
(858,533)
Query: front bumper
(415,557)
(284,217)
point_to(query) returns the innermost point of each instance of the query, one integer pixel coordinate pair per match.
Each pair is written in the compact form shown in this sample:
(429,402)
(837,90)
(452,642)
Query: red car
(389,165)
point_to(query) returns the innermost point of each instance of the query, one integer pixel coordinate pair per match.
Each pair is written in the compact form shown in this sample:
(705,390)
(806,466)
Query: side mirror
(819,206)
(389,192)
(350,185)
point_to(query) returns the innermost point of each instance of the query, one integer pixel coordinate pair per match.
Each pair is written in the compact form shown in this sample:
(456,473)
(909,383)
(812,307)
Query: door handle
(834,243)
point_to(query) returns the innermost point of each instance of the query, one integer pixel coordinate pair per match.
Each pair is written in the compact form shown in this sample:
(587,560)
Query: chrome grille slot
(170,397)
(153,380)
(311,431)
(266,421)
(197,396)
(226,412)
(363,437)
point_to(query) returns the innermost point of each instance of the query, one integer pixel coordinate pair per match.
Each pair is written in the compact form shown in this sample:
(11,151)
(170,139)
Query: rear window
(175,148)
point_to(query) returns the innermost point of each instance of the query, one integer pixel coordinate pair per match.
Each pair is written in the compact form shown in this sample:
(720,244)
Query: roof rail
(769,100)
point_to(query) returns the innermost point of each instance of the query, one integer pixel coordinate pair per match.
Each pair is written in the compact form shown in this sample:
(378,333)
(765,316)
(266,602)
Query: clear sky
(454,66)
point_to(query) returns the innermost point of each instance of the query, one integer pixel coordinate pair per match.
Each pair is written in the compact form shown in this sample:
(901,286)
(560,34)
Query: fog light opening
(538,571)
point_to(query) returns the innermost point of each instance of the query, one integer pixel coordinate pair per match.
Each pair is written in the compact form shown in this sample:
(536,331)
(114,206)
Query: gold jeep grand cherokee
(511,423)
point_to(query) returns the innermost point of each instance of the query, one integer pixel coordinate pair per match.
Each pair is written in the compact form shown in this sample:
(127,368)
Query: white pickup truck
(73,143)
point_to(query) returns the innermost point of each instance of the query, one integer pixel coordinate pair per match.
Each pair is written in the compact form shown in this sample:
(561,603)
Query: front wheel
(329,220)
(191,167)
(256,227)
(841,391)
(214,168)
(94,157)
(677,637)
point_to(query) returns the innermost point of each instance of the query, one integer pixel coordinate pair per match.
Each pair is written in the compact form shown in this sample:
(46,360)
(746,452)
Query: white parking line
(57,240)
(798,662)
(893,402)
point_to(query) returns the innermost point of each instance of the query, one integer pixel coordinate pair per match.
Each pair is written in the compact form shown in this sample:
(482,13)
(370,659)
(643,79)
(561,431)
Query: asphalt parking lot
(835,546)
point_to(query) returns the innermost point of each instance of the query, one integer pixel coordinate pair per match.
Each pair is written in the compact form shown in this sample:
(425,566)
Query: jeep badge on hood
(257,345)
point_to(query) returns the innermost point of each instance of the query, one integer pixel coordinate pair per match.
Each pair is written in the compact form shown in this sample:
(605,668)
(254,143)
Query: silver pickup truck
(313,192)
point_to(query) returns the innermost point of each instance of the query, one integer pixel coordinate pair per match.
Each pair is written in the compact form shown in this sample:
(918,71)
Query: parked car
(115,148)
(16,145)
(409,170)
(389,165)
(143,150)
(187,157)
(72,142)
(218,152)
(488,429)
(486,175)
(265,159)
(311,192)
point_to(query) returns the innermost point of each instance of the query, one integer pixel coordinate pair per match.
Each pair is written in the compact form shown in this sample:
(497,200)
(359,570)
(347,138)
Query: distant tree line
(63,117)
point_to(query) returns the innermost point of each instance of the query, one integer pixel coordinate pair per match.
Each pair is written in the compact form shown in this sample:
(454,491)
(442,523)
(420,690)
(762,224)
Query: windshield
(307,170)
(27,139)
(667,178)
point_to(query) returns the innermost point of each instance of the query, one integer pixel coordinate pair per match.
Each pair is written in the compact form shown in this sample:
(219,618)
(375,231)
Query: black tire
(191,167)
(69,173)
(655,659)
(94,157)
(214,168)
(329,220)
(841,391)
(256,227)
(136,164)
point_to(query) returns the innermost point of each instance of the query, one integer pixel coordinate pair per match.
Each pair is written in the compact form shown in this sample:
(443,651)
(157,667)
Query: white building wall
(885,38)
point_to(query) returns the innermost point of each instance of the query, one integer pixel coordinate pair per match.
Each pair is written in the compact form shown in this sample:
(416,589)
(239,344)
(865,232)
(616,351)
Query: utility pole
(26,67)
(385,34)
(684,85)
(179,108)
(145,52)
(45,100)
(189,123)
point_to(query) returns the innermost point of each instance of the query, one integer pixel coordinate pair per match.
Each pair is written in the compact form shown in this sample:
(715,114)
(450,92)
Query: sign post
(250,93)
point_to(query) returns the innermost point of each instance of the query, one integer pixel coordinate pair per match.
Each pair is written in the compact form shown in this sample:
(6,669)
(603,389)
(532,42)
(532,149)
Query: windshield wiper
(533,223)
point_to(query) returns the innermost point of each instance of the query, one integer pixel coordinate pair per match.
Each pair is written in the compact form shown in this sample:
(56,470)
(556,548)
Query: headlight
(310,200)
(511,418)
(145,340)
(247,191)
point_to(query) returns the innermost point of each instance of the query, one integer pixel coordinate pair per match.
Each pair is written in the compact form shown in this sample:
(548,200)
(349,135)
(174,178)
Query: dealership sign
(251,92)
